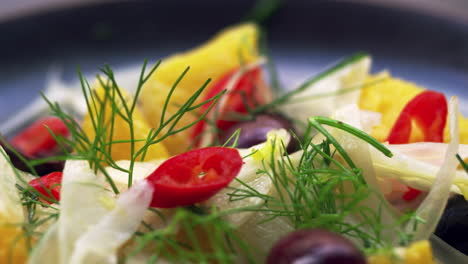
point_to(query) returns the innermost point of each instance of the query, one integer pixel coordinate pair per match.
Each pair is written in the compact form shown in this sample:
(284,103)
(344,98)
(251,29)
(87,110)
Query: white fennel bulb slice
(141,170)
(433,205)
(417,165)
(11,210)
(46,251)
(83,202)
(360,153)
(100,242)
(322,95)
(428,152)
(251,224)
(248,176)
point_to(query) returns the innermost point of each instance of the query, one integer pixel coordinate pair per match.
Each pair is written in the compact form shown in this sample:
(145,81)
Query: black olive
(453,225)
(315,246)
(17,161)
(254,131)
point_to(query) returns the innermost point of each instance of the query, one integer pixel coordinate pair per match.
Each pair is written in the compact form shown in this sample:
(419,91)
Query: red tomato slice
(194,176)
(36,139)
(245,93)
(48,185)
(429,110)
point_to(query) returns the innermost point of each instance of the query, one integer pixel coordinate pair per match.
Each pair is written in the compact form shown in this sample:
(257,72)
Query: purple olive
(453,225)
(314,246)
(254,131)
(17,161)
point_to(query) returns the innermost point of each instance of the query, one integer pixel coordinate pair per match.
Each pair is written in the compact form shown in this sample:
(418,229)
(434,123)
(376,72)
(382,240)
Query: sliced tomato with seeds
(194,176)
(429,111)
(243,92)
(49,186)
(36,139)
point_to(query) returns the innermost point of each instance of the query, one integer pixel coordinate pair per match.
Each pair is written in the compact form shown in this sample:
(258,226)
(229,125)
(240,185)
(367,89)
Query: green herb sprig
(97,151)
(318,190)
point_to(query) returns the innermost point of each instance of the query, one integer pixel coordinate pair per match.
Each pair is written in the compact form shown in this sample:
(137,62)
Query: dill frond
(97,150)
(317,190)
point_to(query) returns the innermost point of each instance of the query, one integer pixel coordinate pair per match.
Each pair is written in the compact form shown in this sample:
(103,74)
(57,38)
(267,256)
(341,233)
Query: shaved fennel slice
(252,225)
(414,173)
(429,152)
(433,205)
(359,152)
(83,202)
(259,182)
(332,90)
(260,232)
(101,242)
(46,251)
(417,165)
(11,209)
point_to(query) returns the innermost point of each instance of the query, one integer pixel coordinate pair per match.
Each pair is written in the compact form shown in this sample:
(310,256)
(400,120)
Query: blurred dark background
(425,41)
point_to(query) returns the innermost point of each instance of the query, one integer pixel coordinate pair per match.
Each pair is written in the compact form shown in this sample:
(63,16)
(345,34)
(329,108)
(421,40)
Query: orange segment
(226,51)
(121,128)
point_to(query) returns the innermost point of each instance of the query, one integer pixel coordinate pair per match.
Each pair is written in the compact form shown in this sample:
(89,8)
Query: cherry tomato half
(247,92)
(194,176)
(49,186)
(36,139)
(429,110)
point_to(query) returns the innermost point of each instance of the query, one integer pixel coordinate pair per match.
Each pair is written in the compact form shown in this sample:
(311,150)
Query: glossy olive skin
(453,225)
(41,169)
(254,131)
(314,246)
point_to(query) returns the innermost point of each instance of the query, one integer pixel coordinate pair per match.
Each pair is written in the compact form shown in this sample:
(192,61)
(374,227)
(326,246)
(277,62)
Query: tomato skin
(411,194)
(36,139)
(48,185)
(243,95)
(429,110)
(194,176)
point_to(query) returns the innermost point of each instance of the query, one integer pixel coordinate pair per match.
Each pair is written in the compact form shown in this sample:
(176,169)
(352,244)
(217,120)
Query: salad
(206,159)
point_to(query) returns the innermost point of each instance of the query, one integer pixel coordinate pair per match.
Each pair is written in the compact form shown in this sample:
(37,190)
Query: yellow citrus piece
(121,129)
(388,96)
(419,253)
(226,51)
(13,247)
(380,259)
